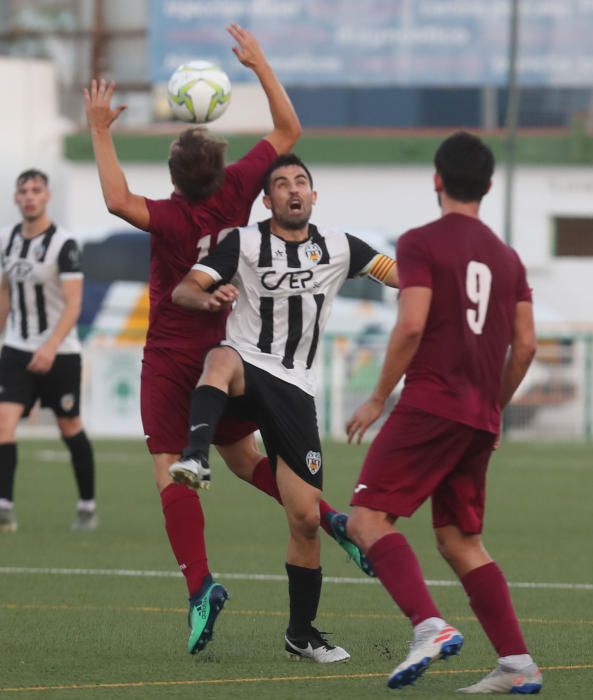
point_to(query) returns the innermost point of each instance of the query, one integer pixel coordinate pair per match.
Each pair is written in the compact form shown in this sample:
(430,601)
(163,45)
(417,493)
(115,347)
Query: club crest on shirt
(38,252)
(313,460)
(313,252)
(67,402)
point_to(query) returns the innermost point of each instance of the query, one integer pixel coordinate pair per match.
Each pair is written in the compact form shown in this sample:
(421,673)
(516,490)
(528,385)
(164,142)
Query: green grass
(106,636)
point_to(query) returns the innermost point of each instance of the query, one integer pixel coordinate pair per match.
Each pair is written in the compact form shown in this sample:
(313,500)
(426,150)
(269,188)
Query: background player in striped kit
(207,197)
(40,300)
(284,274)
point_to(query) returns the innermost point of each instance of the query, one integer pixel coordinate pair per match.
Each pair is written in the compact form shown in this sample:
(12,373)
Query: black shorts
(59,389)
(287,419)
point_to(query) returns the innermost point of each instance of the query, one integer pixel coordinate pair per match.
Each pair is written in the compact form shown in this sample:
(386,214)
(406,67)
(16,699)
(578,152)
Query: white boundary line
(140,573)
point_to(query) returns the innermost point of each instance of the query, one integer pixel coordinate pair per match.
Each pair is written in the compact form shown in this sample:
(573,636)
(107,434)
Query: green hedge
(573,147)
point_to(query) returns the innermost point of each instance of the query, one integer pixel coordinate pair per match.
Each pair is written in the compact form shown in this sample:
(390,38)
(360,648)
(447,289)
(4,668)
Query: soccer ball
(199,91)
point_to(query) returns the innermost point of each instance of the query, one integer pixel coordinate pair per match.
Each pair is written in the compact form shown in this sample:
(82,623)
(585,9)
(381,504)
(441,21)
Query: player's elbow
(116,204)
(295,131)
(284,138)
(410,330)
(524,347)
(178,295)
(524,351)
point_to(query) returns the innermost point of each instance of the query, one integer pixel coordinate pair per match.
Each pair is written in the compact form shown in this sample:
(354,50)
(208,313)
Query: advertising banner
(381,42)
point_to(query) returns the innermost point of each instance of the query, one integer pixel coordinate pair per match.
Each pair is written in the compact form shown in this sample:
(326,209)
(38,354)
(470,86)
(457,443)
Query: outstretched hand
(97,104)
(364,416)
(248,51)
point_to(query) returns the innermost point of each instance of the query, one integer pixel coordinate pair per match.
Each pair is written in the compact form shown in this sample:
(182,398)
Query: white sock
(5,503)
(516,661)
(86,506)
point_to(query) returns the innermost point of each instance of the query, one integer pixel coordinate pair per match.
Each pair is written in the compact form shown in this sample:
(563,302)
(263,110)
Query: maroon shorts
(418,455)
(166,384)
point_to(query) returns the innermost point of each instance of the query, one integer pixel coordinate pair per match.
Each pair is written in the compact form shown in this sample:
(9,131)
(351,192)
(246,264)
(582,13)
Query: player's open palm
(97,104)
(248,51)
(364,416)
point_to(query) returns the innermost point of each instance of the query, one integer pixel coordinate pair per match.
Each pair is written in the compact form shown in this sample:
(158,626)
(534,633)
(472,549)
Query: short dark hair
(196,164)
(31,174)
(465,164)
(281,162)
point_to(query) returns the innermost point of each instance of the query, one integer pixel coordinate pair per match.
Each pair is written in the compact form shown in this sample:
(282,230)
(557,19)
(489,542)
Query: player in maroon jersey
(464,338)
(208,198)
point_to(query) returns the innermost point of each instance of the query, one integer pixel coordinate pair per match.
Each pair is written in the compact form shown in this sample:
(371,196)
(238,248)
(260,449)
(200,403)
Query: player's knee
(220,362)
(459,548)
(7,434)
(305,523)
(365,527)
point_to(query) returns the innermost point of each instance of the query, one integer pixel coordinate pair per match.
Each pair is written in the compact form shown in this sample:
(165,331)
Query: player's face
(291,198)
(31,198)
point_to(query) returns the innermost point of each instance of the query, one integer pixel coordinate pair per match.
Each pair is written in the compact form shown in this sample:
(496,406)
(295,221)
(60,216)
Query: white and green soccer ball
(199,91)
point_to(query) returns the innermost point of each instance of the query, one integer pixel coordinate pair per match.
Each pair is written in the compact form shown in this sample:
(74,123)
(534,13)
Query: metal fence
(554,401)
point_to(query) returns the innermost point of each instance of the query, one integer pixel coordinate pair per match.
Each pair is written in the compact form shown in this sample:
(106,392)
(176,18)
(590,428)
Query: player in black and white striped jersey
(40,300)
(283,275)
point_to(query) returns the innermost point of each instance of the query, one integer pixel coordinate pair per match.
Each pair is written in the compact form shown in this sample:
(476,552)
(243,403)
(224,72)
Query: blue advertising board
(381,42)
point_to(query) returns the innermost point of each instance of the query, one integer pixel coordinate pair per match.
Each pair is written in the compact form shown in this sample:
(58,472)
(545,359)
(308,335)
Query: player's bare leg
(10,414)
(223,375)
(184,523)
(490,600)
(398,570)
(301,502)
(83,465)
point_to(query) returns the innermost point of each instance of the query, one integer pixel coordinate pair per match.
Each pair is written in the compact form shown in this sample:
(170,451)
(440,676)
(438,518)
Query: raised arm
(116,193)
(287,127)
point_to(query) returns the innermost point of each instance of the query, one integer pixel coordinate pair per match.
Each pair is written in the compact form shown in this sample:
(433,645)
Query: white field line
(141,573)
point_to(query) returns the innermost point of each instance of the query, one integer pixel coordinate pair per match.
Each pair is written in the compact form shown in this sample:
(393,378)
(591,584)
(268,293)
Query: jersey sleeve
(69,260)
(366,261)
(161,213)
(223,262)
(246,176)
(413,262)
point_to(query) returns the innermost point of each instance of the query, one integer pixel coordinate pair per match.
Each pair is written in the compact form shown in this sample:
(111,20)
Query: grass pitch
(103,615)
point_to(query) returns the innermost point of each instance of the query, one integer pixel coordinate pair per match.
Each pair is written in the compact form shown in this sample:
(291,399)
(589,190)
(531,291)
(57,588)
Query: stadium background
(377,84)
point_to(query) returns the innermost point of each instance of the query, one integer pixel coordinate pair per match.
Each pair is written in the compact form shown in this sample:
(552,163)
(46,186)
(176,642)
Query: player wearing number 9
(464,338)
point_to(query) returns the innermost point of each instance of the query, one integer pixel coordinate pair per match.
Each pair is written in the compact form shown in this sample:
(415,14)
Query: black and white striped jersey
(34,269)
(286,291)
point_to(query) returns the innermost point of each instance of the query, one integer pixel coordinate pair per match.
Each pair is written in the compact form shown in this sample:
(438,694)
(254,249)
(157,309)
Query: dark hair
(196,164)
(31,174)
(465,164)
(281,162)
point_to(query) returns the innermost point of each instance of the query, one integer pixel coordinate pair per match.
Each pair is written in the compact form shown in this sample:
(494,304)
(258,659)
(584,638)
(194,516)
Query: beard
(295,222)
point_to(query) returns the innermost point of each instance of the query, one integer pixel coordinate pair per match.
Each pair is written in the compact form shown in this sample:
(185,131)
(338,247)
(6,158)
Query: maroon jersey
(476,282)
(181,232)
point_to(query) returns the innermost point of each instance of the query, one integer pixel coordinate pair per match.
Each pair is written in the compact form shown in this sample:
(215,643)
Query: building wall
(389,200)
